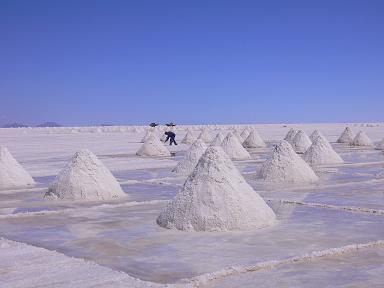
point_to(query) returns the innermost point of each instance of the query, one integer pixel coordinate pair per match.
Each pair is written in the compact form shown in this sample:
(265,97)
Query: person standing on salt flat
(188,163)
(321,153)
(218,140)
(205,135)
(12,174)
(215,197)
(254,140)
(232,146)
(362,139)
(85,178)
(346,137)
(284,165)
(189,138)
(153,147)
(290,135)
(170,135)
(301,142)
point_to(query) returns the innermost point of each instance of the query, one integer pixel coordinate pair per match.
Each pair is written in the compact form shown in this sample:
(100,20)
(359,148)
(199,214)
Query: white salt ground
(284,165)
(362,139)
(254,140)
(153,147)
(192,156)
(215,197)
(12,174)
(301,142)
(321,152)
(232,146)
(346,137)
(85,178)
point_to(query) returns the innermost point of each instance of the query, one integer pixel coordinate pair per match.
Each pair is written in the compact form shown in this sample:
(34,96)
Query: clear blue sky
(126,62)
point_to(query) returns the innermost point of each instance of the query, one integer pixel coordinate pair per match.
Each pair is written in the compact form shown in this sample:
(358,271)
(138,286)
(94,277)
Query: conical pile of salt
(238,135)
(244,135)
(301,142)
(321,152)
(215,197)
(12,174)
(254,140)
(85,178)
(189,138)
(346,136)
(148,135)
(380,145)
(205,136)
(290,135)
(285,165)
(188,163)
(362,139)
(232,146)
(314,135)
(218,140)
(153,147)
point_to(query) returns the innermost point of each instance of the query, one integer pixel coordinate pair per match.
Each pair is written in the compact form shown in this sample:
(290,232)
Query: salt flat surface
(123,235)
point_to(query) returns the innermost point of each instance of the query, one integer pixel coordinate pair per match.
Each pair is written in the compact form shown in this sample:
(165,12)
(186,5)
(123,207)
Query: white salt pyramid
(153,147)
(150,133)
(12,174)
(188,163)
(314,135)
(254,140)
(85,178)
(215,197)
(362,139)
(205,136)
(290,135)
(238,135)
(301,142)
(321,152)
(244,135)
(218,140)
(380,145)
(285,165)
(232,146)
(189,138)
(346,137)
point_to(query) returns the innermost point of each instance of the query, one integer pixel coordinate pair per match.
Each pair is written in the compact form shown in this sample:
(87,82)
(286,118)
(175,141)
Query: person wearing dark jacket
(170,135)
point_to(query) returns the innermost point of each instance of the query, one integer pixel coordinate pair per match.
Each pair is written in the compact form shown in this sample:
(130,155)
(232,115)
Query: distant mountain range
(14,125)
(21,125)
(49,124)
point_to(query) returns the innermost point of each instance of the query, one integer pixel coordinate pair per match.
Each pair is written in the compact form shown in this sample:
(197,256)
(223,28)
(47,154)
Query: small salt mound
(232,146)
(218,140)
(238,135)
(244,135)
(362,139)
(205,136)
(290,135)
(254,140)
(188,163)
(285,165)
(148,135)
(346,136)
(153,147)
(215,197)
(321,152)
(189,137)
(12,174)
(380,145)
(85,178)
(301,142)
(314,135)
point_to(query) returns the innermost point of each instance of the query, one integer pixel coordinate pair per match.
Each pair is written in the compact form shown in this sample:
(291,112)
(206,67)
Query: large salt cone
(12,174)
(218,140)
(314,135)
(188,163)
(215,197)
(290,135)
(301,142)
(150,133)
(232,146)
(244,135)
(284,165)
(346,137)
(205,136)
(321,152)
(85,178)
(362,139)
(254,140)
(153,147)
(189,138)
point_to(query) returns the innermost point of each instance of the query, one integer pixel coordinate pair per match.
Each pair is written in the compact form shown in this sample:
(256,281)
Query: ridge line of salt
(330,206)
(203,279)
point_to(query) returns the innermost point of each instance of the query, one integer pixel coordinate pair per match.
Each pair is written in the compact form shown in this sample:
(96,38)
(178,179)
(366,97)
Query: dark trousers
(172,141)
